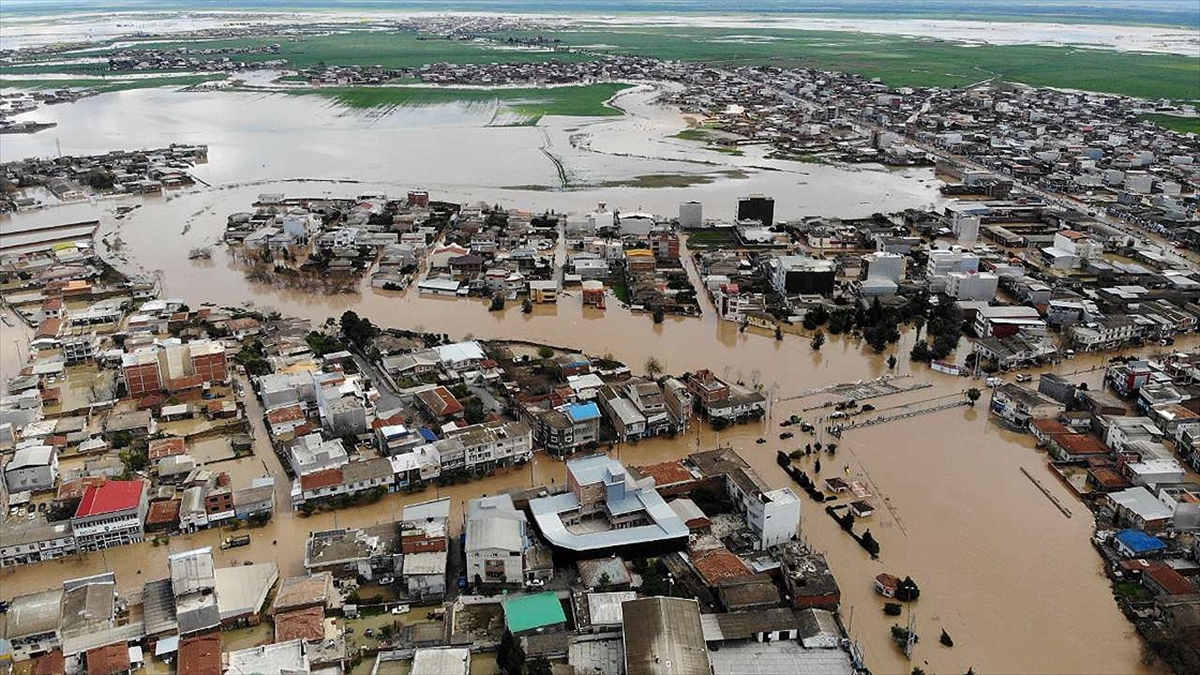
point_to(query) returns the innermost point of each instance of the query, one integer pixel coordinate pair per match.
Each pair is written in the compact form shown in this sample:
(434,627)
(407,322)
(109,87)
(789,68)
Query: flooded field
(1015,583)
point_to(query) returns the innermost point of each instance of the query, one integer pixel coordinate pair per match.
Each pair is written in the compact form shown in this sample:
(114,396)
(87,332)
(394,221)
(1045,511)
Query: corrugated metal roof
(529,612)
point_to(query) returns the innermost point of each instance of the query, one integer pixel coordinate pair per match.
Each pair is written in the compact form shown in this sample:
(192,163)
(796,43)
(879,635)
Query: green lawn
(529,103)
(1183,125)
(903,61)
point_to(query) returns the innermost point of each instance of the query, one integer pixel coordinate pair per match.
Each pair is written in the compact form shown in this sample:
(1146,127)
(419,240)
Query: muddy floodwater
(1015,582)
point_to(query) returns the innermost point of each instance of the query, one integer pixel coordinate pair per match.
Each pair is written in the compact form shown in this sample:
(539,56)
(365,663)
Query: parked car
(1024,377)
(401,609)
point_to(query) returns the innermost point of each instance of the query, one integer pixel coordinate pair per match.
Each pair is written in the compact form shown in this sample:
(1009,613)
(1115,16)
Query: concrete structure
(606,511)
(691,215)
(495,541)
(972,285)
(33,468)
(441,661)
(757,207)
(111,514)
(802,275)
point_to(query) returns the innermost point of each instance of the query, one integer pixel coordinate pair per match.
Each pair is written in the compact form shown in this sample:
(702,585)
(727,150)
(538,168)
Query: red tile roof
(1050,426)
(185,382)
(1080,444)
(320,479)
(162,513)
(50,664)
(440,401)
(48,328)
(74,489)
(116,495)
(200,655)
(380,422)
(166,447)
(52,304)
(108,660)
(289,413)
(667,473)
(303,624)
(1172,582)
(718,564)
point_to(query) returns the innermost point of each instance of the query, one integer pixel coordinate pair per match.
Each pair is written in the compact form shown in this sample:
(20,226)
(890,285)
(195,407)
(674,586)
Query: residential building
(568,428)
(772,515)
(802,275)
(1018,406)
(441,661)
(33,468)
(1139,509)
(491,444)
(193,585)
(495,541)
(25,543)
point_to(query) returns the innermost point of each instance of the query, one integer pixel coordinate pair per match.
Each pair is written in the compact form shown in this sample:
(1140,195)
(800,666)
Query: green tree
(653,368)
(891,362)
(818,340)
(920,352)
(973,395)
(510,656)
(545,352)
(527,306)
(778,333)
(540,666)
(918,323)
(659,315)
(473,411)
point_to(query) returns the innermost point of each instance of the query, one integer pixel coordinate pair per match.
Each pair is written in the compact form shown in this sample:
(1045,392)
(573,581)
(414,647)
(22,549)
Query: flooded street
(1015,583)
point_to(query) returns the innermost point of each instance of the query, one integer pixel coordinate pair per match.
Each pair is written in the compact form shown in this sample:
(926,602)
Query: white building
(32,469)
(691,215)
(972,285)
(943,261)
(774,516)
(496,540)
(312,453)
(883,265)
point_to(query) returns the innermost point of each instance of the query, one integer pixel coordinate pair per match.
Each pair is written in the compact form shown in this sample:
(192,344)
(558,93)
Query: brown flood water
(1016,584)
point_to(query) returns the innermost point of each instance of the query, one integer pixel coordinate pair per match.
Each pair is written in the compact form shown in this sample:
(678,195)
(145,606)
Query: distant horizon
(1173,13)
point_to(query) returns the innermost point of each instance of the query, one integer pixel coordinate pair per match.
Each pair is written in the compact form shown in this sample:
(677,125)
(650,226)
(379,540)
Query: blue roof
(579,412)
(1139,542)
(427,434)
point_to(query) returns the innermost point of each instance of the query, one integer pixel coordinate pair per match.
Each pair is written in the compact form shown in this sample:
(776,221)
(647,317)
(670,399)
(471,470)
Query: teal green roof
(530,612)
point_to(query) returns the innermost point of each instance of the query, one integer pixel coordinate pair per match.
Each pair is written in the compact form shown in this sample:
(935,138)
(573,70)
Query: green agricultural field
(1183,125)
(531,104)
(903,61)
